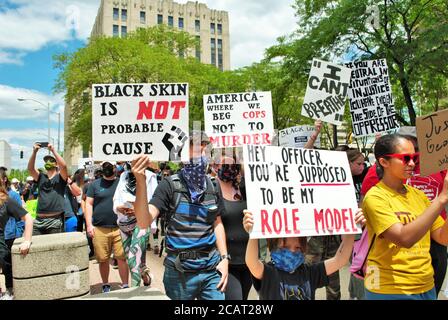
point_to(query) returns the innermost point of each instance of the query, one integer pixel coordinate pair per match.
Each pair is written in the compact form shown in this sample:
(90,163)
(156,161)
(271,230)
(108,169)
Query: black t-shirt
(51,193)
(10,209)
(102,191)
(357,182)
(236,236)
(300,285)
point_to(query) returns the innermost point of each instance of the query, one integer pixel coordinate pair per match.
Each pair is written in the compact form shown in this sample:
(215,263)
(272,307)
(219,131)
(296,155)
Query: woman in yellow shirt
(401,222)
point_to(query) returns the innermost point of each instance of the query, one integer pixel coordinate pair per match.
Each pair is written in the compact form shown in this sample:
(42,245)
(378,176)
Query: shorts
(104,241)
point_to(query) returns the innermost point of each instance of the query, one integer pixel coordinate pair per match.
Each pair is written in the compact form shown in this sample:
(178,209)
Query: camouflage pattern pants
(321,249)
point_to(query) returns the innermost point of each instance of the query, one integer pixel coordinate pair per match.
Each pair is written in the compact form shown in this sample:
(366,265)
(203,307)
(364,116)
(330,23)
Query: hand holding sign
(139,166)
(248,221)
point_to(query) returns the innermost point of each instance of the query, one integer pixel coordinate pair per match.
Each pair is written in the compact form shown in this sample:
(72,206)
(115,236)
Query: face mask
(229,172)
(194,175)
(108,172)
(287,260)
(49,165)
(120,168)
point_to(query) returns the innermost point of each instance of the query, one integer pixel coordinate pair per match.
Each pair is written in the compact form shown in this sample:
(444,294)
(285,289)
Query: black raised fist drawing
(174,141)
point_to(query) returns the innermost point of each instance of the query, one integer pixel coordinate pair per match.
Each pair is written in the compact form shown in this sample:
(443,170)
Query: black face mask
(108,172)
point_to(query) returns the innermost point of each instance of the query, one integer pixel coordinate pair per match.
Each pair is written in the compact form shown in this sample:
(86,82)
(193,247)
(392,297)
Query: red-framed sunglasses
(405,157)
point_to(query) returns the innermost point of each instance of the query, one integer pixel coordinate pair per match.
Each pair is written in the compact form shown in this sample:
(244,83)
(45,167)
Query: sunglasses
(405,157)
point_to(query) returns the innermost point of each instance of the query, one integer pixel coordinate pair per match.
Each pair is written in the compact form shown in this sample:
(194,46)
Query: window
(116,14)
(198,48)
(142,17)
(212,28)
(213,51)
(181,23)
(124,31)
(159,19)
(115,31)
(170,21)
(124,14)
(197,25)
(220,66)
(219,29)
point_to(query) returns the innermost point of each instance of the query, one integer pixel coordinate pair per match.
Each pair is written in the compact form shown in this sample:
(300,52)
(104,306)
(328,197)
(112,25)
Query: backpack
(360,253)
(179,189)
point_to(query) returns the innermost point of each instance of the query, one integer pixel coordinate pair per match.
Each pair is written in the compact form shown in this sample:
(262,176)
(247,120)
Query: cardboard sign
(133,119)
(432,134)
(371,102)
(237,119)
(326,92)
(297,137)
(299,192)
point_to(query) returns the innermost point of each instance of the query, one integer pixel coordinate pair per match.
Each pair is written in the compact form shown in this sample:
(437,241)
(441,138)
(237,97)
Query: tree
(411,34)
(150,55)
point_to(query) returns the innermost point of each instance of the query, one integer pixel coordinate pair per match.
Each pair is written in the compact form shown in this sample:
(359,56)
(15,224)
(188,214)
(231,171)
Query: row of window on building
(214,27)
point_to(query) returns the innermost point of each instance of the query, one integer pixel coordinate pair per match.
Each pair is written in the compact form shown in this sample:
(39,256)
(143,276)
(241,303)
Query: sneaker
(146,276)
(106,288)
(124,286)
(7,296)
(156,250)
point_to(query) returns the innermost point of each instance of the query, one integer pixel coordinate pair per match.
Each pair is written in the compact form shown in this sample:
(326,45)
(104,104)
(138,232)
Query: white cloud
(12,109)
(254,25)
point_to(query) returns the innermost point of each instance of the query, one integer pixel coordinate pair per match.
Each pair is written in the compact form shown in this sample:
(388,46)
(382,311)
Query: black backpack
(180,190)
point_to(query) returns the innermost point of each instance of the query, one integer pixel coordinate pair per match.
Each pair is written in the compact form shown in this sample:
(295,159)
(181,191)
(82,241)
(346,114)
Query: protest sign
(237,119)
(299,192)
(297,137)
(82,162)
(371,102)
(432,134)
(326,92)
(134,119)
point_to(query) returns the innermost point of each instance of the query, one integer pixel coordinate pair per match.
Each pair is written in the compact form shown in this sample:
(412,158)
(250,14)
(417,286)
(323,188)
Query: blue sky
(32,31)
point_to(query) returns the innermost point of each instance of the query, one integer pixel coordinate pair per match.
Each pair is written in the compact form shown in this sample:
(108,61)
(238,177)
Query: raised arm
(344,252)
(256,267)
(317,127)
(144,213)
(31,163)
(61,162)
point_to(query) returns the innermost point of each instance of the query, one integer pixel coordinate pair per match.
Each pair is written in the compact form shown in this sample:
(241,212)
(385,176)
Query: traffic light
(21,154)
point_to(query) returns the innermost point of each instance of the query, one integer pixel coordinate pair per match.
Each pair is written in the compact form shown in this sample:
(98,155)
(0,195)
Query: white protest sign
(297,137)
(326,92)
(371,102)
(299,192)
(82,162)
(237,119)
(134,119)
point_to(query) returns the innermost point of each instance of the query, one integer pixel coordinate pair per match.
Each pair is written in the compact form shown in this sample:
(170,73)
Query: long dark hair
(386,145)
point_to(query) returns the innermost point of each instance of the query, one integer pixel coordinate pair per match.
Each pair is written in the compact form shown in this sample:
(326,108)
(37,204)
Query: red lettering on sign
(160,112)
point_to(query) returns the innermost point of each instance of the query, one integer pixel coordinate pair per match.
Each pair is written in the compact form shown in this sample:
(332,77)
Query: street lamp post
(48,111)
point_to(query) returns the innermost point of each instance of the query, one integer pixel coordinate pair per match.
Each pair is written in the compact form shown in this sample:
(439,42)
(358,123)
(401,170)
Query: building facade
(5,154)
(116,18)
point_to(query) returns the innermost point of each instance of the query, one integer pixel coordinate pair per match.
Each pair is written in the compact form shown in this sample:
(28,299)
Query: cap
(197,135)
(408,131)
(3,168)
(49,158)
(29,178)
(15,180)
(111,162)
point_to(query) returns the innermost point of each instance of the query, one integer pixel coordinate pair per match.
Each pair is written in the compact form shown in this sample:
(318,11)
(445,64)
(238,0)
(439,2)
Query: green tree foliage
(411,34)
(150,55)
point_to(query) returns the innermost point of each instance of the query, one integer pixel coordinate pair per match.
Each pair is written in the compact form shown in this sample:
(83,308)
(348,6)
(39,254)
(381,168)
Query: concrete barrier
(57,267)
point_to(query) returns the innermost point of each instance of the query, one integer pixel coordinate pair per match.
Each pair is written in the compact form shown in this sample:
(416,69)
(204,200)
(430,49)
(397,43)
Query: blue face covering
(120,168)
(194,174)
(287,260)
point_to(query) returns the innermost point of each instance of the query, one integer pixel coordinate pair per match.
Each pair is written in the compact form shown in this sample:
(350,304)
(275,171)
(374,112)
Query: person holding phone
(51,189)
